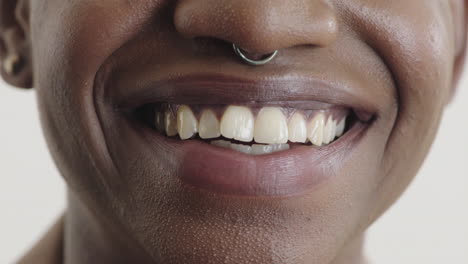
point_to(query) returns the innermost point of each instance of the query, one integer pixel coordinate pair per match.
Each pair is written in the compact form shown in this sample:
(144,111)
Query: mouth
(256,140)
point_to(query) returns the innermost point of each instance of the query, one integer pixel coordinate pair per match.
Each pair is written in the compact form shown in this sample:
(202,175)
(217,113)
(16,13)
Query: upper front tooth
(315,129)
(238,123)
(340,127)
(297,128)
(187,124)
(271,126)
(170,124)
(209,125)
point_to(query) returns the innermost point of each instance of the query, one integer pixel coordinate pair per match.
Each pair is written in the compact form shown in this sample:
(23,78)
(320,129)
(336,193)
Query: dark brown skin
(410,52)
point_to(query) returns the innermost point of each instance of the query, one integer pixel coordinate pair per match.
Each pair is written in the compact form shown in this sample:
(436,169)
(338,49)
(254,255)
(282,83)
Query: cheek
(66,57)
(420,56)
(415,41)
(88,32)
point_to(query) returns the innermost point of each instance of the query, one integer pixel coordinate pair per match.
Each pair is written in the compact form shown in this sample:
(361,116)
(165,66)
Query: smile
(238,137)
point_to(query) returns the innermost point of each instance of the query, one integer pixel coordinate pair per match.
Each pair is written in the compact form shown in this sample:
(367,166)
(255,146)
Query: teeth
(340,127)
(221,143)
(159,121)
(255,149)
(329,131)
(241,148)
(170,124)
(258,149)
(271,126)
(209,125)
(187,124)
(315,129)
(238,123)
(333,131)
(280,147)
(297,128)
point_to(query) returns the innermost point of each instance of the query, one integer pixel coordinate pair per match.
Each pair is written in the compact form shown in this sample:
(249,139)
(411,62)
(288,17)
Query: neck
(352,253)
(90,240)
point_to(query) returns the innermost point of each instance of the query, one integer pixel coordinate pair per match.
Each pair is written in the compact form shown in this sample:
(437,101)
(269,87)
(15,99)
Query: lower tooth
(241,148)
(268,149)
(280,147)
(221,143)
(261,149)
(255,149)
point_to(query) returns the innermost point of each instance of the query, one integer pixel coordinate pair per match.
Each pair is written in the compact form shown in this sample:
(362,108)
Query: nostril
(261,26)
(210,46)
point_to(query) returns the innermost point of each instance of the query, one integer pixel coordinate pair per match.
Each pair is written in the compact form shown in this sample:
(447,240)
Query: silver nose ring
(266,59)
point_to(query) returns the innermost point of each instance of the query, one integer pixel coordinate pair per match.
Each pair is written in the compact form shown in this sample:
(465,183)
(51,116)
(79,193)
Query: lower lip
(285,173)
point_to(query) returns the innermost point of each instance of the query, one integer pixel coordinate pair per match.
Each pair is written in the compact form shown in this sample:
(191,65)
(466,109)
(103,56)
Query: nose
(260,26)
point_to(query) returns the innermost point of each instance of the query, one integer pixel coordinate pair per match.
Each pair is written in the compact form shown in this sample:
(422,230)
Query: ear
(460,16)
(15,43)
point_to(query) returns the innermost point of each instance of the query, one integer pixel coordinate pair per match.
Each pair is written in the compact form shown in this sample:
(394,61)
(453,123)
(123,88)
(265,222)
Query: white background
(429,224)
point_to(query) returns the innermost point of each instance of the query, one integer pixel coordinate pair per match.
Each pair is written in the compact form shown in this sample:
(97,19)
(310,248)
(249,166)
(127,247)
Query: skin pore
(398,60)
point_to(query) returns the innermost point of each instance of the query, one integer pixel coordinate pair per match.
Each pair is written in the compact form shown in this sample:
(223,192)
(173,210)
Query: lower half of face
(200,158)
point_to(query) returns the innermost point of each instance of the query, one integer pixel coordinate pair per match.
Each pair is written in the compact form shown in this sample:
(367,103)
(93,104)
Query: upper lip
(213,88)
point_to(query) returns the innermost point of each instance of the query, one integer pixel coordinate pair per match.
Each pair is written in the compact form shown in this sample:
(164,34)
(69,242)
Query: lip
(286,173)
(207,88)
(228,172)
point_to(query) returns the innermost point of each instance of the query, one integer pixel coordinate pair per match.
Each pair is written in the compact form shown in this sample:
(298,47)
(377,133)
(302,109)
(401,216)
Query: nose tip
(260,26)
